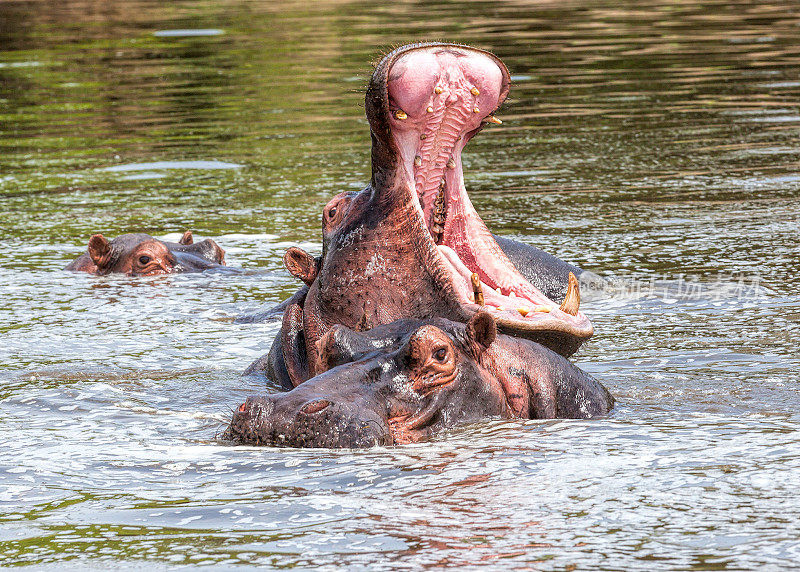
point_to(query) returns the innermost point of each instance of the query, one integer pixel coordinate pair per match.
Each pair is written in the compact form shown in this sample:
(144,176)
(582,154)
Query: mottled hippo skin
(411,245)
(143,255)
(402,382)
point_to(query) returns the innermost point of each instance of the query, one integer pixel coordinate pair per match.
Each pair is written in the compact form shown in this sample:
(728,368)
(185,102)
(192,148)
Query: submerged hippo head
(426,381)
(402,382)
(143,255)
(411,245)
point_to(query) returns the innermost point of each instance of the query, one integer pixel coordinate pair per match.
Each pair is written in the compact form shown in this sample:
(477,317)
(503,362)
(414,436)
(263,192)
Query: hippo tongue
(439,97)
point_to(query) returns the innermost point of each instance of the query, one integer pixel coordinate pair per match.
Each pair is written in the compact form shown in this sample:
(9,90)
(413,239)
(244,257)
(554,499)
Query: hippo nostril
(315,406)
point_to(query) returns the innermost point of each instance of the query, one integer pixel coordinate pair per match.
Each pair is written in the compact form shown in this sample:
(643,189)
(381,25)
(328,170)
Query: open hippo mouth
(426,102)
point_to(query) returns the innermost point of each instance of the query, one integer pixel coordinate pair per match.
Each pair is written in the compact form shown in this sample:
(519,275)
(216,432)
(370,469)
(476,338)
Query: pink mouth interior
(438,98)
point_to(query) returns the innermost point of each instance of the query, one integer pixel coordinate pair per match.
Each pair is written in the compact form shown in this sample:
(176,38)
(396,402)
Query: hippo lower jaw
(437,98)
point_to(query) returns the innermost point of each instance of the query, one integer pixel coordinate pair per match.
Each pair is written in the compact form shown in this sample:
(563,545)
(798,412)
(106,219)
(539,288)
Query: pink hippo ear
(300,264)
(187,238)
(100,250)
(481,332)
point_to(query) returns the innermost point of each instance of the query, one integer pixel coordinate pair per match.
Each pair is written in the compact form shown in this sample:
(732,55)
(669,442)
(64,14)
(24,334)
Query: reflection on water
(655,144)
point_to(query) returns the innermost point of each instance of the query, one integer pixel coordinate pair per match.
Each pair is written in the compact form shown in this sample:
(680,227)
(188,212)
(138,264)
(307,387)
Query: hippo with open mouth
(142,255)
(404,381)
(411,245)
(424,103)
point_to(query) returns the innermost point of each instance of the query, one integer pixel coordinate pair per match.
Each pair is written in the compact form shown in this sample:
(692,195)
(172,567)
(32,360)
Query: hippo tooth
(572,301)
(523,311)
(475,91)
(476,109)
(430,109)
(541,309)
(492,119)
(511,294)
(437,90)
(418,161)
(477,289)
(400,114)
(451,164)
(439,214)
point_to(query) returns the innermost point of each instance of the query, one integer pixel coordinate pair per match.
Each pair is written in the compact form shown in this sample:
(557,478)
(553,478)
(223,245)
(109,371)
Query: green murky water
(655,143)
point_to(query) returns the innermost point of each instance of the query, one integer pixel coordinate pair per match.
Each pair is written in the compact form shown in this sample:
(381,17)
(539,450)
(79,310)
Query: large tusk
(572,301)
(477,289)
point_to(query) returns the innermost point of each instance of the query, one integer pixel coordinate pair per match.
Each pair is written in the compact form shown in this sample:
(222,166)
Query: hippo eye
(144,260)
(332,212)
(440,355)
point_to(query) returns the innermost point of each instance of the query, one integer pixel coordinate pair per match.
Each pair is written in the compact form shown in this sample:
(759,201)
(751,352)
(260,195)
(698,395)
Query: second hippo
(142,255)
(404,381)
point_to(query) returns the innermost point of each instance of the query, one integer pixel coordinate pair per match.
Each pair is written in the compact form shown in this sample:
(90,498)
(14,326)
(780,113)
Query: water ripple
(654,144)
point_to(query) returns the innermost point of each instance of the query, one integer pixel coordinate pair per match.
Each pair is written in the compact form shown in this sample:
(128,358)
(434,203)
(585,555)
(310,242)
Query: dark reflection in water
(655,143)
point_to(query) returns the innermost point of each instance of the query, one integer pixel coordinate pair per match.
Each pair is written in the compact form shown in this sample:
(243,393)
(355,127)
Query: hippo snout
(286,420)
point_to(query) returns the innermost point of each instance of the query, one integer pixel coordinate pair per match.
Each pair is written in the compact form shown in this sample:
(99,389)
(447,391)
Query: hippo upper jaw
(424,104)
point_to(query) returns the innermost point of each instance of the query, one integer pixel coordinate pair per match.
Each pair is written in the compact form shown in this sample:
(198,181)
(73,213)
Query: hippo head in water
(404,381)
(143,255)
(411,245)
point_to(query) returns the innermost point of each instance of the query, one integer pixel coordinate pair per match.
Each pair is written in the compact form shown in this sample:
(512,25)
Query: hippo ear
(300,264)
(481,332)
(100,250)
(187,238)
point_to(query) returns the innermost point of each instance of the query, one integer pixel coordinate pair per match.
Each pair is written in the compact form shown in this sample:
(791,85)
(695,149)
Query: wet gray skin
(142,255)
(405,381)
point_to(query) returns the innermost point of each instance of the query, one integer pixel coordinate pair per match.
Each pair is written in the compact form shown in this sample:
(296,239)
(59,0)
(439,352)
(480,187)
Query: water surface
(655,143)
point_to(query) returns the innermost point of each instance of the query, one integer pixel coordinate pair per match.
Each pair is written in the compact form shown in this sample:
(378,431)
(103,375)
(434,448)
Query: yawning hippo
(402,84)
(401,382)
(411,245)
(143,255)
